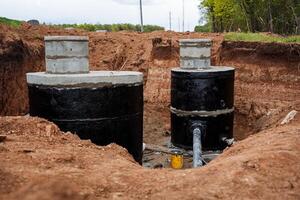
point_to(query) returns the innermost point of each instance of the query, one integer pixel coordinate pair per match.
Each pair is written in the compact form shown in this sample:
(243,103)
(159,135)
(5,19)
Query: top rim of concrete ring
(66,38)
(196,42)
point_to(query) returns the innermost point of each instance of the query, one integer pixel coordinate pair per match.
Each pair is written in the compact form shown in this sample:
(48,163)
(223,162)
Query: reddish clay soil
(267,75)
(22,50)
(37,161)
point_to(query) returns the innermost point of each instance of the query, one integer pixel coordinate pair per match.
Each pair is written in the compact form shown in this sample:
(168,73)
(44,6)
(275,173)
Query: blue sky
(103,11)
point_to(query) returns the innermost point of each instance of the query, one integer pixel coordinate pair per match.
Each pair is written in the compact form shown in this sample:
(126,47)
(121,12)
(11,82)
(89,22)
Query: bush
(203,29)
(111,27)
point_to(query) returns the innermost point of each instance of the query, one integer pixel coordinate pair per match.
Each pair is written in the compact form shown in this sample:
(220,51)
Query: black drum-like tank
(103,106)
(202,100)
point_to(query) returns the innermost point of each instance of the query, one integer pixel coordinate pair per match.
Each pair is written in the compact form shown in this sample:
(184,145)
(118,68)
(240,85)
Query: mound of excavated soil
(37,161)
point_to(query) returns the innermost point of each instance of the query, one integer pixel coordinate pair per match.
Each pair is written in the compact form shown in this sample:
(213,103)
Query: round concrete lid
(66,38)
(94,77)
(205,70)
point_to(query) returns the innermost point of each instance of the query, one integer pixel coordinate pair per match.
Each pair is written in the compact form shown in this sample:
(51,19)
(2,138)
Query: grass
(10,22)
(261,37)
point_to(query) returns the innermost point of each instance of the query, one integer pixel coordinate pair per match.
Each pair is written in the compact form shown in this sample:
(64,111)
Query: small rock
(158,166)
(147,165)
(289,117)
(144,147)
(167,133)
(106,61)
(2,138)
(3,149)
(28,151)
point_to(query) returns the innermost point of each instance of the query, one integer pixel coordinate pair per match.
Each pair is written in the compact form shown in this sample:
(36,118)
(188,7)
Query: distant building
(33,22)
(101,31)
(69,28)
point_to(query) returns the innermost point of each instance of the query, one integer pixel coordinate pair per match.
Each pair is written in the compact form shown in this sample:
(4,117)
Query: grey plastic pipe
(197,148)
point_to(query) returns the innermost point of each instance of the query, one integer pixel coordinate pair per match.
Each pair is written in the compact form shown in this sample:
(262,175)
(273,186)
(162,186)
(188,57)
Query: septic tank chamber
(202,100)
(103,106)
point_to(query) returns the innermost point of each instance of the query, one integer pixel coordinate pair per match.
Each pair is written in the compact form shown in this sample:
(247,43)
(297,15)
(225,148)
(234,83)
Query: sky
(156,12)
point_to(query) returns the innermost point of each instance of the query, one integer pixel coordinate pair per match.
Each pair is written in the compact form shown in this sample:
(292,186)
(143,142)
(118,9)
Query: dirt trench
(37,160)
(266,86)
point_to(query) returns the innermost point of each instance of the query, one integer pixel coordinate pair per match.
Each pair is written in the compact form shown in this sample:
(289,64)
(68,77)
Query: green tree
(278,16)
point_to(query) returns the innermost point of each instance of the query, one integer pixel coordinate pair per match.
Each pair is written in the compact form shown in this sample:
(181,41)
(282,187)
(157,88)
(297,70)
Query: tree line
(276,16)
(111,27)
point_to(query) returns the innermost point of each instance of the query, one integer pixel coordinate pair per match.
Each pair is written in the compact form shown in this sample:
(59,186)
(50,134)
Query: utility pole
(179,22)
(141,13)
(182,15)
(170,20)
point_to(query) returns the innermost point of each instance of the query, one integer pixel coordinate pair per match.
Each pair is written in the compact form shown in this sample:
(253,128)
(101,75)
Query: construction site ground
(38,161)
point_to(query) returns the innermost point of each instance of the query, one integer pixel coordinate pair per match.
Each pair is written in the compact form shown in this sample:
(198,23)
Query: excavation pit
(39,160)
(157,135)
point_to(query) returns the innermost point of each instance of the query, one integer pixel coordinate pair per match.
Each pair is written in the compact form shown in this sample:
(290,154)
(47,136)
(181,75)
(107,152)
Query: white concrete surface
(66,48)
(211,69)
(195,53)
(66,38)
(93,77)
(195,63)
(66,54)
(67,65)
(195,42)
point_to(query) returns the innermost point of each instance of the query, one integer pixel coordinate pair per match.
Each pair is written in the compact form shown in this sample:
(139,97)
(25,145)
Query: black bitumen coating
(202,91)
(108,114)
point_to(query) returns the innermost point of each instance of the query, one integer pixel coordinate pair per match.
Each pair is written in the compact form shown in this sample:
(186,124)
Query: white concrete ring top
(208,69)
(198,43)
(195,40)
(93,77)
(66,38)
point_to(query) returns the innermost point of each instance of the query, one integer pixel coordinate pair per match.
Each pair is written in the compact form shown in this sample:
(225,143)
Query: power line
(182,15)
(170,20)
(179,24)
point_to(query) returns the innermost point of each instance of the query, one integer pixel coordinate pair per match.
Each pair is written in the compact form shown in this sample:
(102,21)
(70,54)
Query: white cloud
(135,2)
